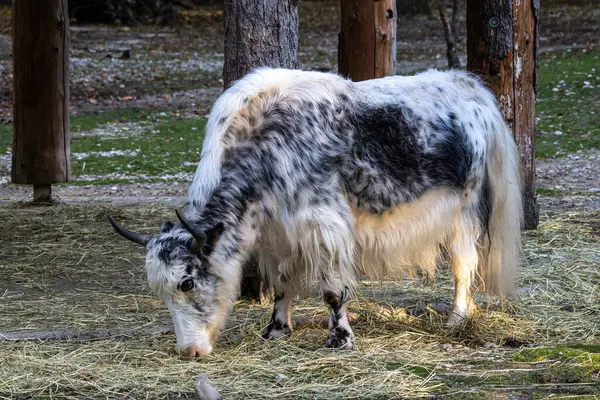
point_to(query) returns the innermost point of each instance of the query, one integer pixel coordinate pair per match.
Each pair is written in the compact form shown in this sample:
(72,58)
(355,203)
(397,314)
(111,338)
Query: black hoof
(340,338)
(275,331)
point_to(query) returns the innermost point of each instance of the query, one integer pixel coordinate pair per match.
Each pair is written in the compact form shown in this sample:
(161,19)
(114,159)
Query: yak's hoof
(458,315)
(340,338)
(455,319)
(276,330)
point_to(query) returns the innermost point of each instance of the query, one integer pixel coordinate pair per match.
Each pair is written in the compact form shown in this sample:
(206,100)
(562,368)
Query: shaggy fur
(329,181)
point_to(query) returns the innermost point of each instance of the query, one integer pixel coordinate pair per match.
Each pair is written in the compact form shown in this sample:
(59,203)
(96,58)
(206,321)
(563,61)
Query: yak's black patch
(484,208)
(168,246)
(166,227)
(451,157)
(400,156)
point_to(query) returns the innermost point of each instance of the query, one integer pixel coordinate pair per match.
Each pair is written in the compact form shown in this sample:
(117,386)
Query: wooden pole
(41,147)
(367,41)
(502,47)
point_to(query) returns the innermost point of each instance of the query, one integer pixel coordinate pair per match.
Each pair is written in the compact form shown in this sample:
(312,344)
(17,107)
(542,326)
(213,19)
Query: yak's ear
(214,234)
(166,227)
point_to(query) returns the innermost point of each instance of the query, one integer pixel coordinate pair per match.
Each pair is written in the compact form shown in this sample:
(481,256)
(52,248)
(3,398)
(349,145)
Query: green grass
(5,137)
(168,146)
(165,145)
(566,104)
(86,122)
(552,192)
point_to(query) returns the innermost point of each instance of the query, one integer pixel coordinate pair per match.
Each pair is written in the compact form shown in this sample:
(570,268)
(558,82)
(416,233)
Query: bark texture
(367,42)
(502,45)
(41,147)
(259,33)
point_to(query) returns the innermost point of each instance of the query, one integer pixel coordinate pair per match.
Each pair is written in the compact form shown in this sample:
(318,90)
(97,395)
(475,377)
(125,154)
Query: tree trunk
(258,34)
(367,42)
(502,47)
(450,32)
(41,146)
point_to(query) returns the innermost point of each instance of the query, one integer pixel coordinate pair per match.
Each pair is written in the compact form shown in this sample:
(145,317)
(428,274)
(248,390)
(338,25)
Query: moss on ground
(580,353)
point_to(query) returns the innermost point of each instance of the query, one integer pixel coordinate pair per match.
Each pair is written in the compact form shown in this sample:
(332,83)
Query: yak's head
(178,264)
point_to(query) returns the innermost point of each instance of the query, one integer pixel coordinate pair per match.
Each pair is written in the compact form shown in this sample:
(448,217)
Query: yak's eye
(187,285)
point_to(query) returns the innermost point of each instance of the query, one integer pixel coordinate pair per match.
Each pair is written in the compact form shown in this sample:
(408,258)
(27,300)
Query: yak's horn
(129,235)
(199,236)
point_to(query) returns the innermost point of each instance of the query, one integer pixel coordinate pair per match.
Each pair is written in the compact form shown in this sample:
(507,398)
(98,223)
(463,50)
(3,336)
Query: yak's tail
(500,254)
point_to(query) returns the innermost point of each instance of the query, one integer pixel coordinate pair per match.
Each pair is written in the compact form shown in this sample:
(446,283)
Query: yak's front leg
(340,333)
(281,319)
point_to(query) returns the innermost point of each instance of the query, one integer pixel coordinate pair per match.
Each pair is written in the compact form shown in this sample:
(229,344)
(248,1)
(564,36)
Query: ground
(137,128)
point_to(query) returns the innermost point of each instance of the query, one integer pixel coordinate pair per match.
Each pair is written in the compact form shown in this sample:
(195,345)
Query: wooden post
(367,41)
(41,147)
(258,34)
(502,47)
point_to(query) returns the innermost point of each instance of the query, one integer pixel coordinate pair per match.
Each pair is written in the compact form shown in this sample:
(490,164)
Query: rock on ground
(204,391)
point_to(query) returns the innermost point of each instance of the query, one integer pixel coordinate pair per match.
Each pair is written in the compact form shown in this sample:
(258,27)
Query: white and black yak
(331,181)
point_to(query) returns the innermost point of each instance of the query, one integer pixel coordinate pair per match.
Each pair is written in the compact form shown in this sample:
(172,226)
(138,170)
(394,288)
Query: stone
(204,391)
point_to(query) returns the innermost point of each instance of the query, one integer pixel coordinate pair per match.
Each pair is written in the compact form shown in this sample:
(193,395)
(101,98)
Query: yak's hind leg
(464,260)
(340,334)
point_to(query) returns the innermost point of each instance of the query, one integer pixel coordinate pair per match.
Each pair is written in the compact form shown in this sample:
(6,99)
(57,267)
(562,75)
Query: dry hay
(62,268)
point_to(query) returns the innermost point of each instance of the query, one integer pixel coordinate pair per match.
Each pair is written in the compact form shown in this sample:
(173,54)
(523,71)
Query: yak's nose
(200,350)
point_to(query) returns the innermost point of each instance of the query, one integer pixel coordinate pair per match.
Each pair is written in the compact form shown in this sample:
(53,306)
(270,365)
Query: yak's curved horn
(129,235)
(199,236)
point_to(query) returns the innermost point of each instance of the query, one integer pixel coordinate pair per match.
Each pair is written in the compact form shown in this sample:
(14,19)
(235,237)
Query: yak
(329,181)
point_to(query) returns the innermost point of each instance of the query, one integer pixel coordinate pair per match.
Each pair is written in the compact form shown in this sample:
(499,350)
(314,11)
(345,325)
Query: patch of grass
(551,192)
(130,145)
(167,148)
(88,121)
(5,137)
(567,103)
(85,122)
(588,355)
